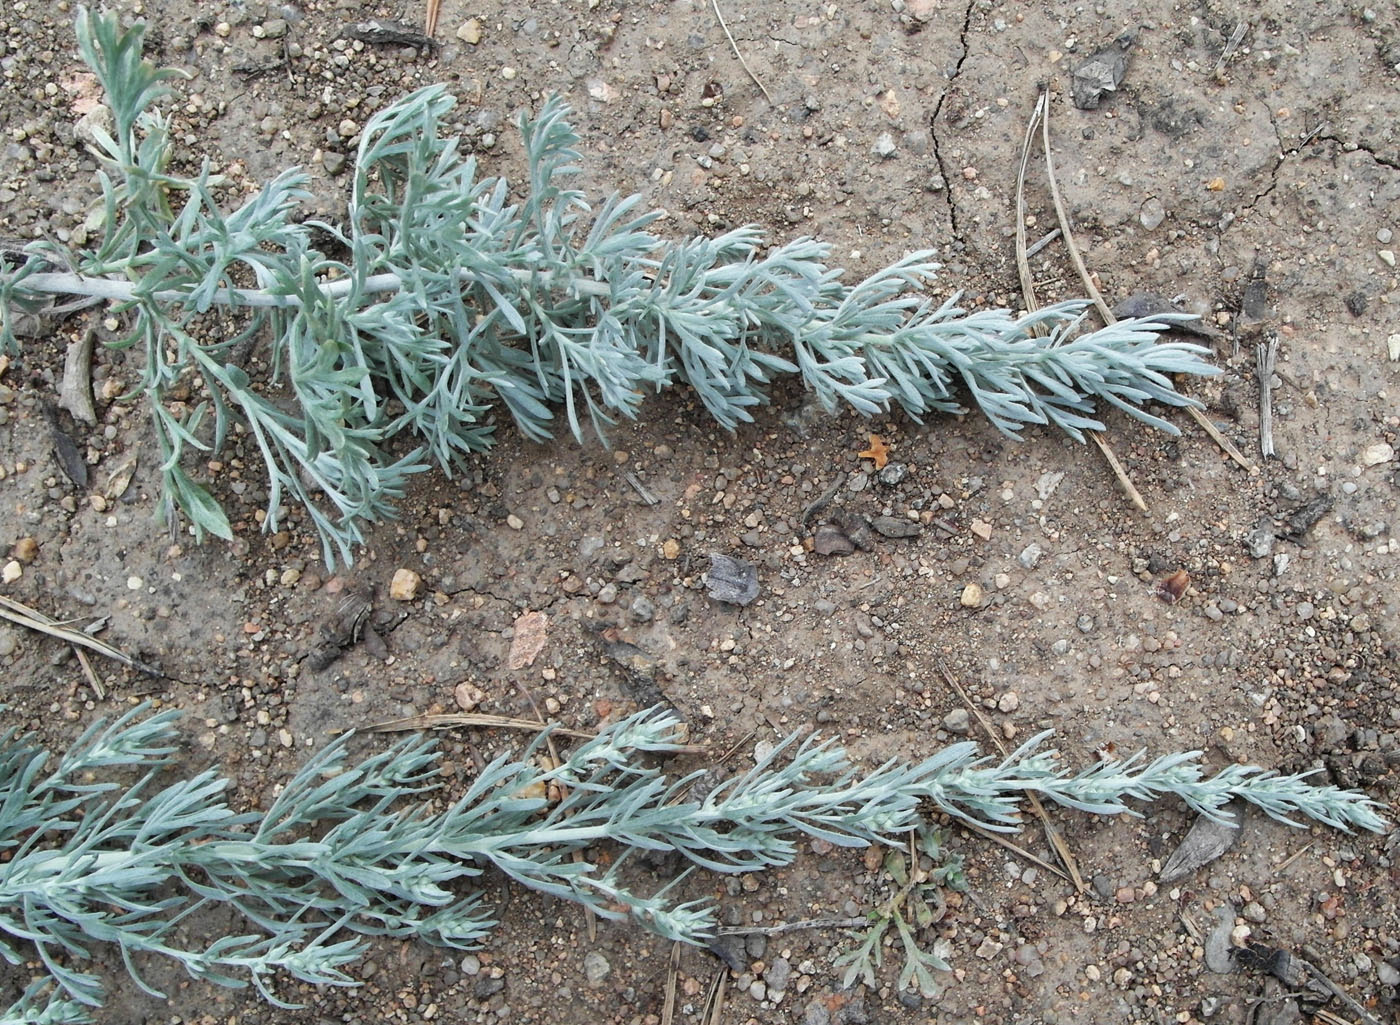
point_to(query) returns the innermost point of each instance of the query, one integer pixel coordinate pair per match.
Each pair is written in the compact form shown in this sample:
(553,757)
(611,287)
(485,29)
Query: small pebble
(893,474)
(957,721)
(1009,702)
(514,522)
(470,32)
(1374,455)
(972,596)
(1152,214)
(405,585)
(595,968)
(468,696)
(12,572)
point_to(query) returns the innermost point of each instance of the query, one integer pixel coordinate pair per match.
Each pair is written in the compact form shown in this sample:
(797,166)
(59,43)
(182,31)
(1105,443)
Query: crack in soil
(1390,162)
(1287,152)
(938,109)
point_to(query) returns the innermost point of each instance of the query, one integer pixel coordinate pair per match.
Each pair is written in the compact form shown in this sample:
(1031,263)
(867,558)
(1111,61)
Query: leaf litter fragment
(1207,839)
(878,451)
(1101,73)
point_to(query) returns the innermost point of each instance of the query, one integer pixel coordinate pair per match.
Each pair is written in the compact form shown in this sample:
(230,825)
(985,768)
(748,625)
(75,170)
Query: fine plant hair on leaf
(447,296)
(369,846)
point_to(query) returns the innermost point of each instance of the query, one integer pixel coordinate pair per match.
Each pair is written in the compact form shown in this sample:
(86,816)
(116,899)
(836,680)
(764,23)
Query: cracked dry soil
(1280,168)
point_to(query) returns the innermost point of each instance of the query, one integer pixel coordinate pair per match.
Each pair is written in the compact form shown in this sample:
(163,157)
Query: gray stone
(595,968)
(779,974)
(893,473)
(957,721)
(1259,542)
(1152,214)
(731,580)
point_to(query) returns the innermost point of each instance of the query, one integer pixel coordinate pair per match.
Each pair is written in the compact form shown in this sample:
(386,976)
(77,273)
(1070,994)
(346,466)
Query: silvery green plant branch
(392,339)
(373,846)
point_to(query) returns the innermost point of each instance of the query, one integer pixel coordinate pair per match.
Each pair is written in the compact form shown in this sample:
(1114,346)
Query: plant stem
(118,290)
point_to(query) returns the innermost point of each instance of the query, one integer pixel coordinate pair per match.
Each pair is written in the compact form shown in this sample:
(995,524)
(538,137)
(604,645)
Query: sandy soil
(891,127)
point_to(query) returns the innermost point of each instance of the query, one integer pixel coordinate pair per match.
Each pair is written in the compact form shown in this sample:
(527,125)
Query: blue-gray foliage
(368,845)
(392,340)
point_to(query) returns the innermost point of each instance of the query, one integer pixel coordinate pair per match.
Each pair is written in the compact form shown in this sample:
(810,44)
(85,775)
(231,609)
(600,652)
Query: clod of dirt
(1100,74)
(388,32)
(857,528)
(731,580)
(1171,589)
(1259,542)
(1304,519)
(637,667)
(730,950)
(1206,840)
(1150,304)
(1219,953)
(1278,1006)
(830,539)
(894,526)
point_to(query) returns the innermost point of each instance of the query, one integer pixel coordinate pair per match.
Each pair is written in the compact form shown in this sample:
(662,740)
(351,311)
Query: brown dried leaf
(879,451)
(120,478)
